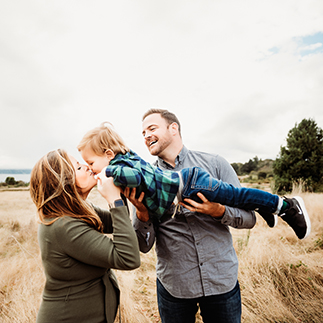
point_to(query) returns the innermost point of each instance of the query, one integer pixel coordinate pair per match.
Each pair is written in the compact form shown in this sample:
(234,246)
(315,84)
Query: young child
(103,148)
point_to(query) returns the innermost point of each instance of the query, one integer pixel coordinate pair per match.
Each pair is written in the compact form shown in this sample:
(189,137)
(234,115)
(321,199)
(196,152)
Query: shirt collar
(178,160)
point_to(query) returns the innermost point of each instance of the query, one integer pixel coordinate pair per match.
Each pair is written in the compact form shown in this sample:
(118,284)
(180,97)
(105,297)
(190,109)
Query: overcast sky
(238,74)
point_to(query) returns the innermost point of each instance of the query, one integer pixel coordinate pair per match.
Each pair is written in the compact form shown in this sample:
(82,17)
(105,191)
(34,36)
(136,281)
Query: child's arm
(124,175)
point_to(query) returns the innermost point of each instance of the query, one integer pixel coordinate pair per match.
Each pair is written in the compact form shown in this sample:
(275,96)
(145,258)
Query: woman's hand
(107,188)
(216,210)
(141,210)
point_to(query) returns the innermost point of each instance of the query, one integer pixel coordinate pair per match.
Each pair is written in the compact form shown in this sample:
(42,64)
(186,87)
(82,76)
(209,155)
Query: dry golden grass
(21,274)
(281,277)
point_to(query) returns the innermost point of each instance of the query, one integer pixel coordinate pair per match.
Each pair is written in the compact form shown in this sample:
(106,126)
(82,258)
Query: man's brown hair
(167,115)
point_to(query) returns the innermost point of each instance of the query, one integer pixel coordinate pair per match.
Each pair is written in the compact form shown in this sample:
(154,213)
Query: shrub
(10,181)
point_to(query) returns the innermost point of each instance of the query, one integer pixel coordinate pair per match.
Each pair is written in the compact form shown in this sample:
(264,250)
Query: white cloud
(311,47)
(68,66)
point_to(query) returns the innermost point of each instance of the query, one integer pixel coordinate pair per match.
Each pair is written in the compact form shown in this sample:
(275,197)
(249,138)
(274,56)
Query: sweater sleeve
(105,216)
(89,246)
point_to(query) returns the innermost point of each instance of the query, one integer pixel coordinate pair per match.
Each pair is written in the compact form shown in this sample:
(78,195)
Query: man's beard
(159,147)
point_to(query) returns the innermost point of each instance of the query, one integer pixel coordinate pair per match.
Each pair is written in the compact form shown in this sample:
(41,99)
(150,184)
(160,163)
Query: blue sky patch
(313,39)
(307,45)
(274,50)
(311,44)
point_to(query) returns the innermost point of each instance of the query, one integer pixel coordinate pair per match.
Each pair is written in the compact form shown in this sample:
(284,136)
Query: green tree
(251,165)
(301,161)
(236,167)
(262,175)
(10,181)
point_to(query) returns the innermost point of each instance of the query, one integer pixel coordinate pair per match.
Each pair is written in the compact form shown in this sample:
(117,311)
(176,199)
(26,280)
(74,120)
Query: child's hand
(107,188)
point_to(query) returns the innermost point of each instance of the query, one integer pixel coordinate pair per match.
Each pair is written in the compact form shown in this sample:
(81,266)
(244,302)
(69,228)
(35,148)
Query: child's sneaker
(270,218)
(296,216)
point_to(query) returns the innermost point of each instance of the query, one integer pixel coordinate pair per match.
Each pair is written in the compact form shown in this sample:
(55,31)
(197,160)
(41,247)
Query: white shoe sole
(276,220)
(307,218)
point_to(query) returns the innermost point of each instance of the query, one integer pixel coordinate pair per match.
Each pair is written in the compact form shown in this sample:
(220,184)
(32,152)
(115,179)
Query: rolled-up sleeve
(145,232)
(233,217)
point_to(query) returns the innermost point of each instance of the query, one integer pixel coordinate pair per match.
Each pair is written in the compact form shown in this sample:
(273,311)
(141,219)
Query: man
(196,263)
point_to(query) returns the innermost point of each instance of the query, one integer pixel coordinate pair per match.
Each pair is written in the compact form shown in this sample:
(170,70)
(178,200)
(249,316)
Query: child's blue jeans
(196,179)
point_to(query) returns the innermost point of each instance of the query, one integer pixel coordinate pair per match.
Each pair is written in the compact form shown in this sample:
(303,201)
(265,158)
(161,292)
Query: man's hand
(141,210)
(216,210)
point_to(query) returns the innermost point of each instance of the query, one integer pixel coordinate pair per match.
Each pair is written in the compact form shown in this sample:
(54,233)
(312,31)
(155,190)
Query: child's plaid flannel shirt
(160,186)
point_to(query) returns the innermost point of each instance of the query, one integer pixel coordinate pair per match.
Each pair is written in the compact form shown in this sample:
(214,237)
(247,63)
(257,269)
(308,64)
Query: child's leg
(198,180)
(268,205)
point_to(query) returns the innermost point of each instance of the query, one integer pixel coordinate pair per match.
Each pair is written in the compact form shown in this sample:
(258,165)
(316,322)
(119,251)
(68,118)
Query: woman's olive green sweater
(77,259)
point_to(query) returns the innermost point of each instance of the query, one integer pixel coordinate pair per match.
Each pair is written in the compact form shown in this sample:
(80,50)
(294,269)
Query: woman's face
(84,177)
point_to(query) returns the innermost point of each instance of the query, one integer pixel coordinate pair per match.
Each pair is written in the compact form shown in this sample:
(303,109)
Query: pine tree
(301,161)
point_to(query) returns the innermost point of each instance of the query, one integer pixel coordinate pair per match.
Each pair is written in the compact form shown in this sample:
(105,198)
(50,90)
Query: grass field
(281,277)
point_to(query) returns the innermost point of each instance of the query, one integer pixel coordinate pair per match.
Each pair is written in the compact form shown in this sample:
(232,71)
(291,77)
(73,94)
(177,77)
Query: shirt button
(201,264)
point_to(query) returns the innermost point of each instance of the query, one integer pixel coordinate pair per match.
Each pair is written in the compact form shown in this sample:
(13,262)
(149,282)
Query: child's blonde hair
(102,138)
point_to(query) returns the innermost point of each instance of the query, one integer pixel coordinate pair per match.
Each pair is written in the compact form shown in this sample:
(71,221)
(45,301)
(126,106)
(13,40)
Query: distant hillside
(254,165)
(265,165)
(15,171)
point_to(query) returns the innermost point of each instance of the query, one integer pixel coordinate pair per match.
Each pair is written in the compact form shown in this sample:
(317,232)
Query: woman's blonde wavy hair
(54,191)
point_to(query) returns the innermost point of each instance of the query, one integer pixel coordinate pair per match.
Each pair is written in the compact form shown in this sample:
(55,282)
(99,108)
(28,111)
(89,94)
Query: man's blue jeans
(196,179)
(224,308)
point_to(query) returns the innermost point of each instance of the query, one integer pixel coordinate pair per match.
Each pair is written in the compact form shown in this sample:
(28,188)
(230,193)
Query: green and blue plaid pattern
(160,186)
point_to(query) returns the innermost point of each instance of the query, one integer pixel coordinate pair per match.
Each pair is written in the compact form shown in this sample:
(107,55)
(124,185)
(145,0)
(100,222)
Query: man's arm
(141,222)
(145,233)
(234,217)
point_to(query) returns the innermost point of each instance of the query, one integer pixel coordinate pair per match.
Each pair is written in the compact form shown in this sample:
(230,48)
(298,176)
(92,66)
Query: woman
(76,254)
